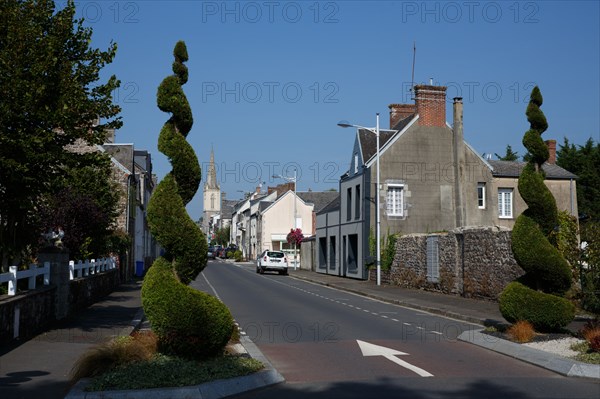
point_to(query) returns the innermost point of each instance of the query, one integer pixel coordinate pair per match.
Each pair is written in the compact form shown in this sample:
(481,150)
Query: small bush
(546,312)
(120,351)
(238,256)
(591,333)
(522,331)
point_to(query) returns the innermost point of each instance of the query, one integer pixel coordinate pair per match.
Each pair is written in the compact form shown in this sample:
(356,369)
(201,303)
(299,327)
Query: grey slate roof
(332,206)
(368,140)
(318,198)
(227,207)
(514,168)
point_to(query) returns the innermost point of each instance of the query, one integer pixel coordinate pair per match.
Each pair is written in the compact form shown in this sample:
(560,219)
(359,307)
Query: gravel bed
(561,347)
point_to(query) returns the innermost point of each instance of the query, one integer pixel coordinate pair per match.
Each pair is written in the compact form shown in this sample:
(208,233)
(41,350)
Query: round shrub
(545,311)
(238,256)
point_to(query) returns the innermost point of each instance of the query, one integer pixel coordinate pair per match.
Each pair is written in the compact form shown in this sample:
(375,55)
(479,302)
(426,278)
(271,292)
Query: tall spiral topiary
(187,322)
(536,297)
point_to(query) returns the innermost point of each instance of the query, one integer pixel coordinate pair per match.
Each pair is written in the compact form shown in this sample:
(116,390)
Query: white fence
(87,267)
(76,270)
(14,275)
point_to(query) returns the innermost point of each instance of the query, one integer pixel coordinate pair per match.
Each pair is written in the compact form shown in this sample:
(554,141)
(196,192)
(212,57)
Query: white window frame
(481,199)
(391,210)
(356,162)
(505,195)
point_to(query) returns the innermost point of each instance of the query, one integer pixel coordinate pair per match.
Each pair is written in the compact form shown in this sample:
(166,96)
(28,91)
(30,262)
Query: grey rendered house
(431,180)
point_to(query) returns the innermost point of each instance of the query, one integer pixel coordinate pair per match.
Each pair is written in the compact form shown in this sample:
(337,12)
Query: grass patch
(169,371)
(586,354)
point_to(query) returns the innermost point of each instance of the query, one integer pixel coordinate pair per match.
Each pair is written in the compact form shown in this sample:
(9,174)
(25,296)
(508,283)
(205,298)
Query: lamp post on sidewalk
(378,212)
(295,222)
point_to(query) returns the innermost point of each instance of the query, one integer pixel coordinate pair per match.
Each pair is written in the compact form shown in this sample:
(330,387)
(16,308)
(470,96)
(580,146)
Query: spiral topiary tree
(187,322)
(537,296)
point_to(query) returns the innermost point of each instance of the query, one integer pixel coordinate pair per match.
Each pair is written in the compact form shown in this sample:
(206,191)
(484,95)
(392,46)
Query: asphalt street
(328,343)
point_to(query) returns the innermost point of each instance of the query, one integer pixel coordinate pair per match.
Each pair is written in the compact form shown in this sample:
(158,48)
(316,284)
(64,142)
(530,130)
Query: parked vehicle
(272,261)
(211,253)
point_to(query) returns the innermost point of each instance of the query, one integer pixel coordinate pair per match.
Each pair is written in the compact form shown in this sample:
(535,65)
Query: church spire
(211,177)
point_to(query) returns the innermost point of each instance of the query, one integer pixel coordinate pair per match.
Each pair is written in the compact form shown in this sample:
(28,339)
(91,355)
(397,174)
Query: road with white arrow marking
(334,344)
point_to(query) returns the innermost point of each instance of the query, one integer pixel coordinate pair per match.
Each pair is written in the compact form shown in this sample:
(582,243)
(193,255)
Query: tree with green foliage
(537,296)
(510,155)
(584,161)
(187,322)
(50,97)
(222,236)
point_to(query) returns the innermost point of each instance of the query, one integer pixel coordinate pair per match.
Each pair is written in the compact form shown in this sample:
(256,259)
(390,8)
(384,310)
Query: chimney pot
(399,112)
(431,105)
(551,151)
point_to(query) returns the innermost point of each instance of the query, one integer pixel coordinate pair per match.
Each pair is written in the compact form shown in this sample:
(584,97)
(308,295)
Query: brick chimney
(430,102)
(551,151)
(399,112)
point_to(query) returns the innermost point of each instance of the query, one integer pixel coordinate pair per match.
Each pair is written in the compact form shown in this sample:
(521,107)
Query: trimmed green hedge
(545,311)
(188,322)
(546,270)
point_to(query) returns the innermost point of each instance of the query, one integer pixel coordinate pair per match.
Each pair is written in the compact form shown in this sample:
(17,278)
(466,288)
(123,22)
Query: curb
(558,364)
(210,390)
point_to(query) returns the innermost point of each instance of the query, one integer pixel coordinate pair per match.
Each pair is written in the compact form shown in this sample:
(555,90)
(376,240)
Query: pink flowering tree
(295,236)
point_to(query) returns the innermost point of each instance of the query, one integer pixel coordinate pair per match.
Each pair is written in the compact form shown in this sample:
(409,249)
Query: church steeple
(211,177)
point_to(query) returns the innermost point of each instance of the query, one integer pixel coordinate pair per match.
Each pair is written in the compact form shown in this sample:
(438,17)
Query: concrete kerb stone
(558,364)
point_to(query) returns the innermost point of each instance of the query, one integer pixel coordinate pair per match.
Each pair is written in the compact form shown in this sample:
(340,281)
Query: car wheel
(285,273)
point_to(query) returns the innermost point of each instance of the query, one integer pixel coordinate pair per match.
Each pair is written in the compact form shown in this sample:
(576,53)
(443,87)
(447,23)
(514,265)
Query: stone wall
(473,262)
(37,309)
(87,290)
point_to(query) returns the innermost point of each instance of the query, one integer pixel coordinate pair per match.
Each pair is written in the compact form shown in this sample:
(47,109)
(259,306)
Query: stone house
(431,180)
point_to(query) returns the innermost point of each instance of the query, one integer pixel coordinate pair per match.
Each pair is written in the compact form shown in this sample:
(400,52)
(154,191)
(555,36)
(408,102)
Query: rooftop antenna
(412,84)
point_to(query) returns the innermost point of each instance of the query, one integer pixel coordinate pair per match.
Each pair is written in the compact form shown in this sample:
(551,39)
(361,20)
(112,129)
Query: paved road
(317,338)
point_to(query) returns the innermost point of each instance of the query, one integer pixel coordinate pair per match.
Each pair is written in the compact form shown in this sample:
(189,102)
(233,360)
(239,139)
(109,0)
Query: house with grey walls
(431,180)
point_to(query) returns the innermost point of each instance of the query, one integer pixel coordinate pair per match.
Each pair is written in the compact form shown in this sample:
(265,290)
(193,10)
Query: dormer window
(355,162)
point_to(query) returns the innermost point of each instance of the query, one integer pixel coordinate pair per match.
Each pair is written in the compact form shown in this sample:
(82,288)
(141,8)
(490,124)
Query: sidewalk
(39,368)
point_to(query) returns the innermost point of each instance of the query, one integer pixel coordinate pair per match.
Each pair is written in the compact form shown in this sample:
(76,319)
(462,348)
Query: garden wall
(473,262)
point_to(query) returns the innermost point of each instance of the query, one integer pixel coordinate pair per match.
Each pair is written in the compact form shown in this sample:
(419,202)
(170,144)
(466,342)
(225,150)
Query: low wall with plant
(473,262)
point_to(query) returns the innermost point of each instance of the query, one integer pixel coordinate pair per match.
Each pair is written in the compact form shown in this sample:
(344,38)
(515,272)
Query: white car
(272,261)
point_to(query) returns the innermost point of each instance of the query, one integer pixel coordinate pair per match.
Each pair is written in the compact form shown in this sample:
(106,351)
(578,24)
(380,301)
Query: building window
(212,201)
(505,203)
(357,203)
(481,195)
(395,200)
(332,259)
(355,162)
(349,204)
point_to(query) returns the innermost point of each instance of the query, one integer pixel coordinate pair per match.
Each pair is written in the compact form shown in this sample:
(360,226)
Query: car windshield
(275,254)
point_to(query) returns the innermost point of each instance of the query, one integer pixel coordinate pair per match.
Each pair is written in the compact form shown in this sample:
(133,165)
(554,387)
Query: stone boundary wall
(37,309)
(474,262)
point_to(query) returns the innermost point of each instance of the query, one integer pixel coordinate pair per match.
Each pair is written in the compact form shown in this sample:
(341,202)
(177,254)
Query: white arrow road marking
(368,349)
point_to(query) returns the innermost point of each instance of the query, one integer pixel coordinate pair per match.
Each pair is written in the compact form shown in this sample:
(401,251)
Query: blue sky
(269,80)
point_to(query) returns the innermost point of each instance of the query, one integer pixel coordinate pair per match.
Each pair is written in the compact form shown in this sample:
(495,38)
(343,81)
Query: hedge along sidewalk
(209,390)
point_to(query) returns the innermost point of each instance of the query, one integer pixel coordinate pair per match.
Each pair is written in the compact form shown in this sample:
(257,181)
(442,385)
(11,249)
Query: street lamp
(292,179)
(376,132)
